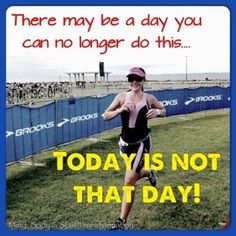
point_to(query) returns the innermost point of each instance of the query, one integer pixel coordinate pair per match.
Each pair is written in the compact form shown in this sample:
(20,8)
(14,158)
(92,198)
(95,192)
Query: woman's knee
(131,179)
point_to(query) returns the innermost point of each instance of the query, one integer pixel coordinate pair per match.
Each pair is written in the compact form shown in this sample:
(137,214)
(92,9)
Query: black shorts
(139,148)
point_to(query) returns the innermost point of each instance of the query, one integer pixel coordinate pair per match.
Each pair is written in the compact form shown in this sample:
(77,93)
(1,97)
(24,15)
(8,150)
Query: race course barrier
(31,130)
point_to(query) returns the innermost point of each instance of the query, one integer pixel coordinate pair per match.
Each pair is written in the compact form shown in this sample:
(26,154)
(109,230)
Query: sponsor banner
(172,100)
(30,130)
(202,99)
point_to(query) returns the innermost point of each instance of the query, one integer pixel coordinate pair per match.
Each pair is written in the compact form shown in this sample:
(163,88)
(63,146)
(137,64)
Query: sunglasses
(135,78)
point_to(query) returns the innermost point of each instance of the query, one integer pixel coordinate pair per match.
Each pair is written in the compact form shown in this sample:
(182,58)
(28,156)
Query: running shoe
(152,178)
(119,225)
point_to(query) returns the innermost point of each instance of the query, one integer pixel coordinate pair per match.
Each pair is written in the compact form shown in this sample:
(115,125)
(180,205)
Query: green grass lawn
(43,198)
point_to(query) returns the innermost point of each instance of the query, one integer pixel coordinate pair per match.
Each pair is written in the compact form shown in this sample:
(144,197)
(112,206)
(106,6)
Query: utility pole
(186,71)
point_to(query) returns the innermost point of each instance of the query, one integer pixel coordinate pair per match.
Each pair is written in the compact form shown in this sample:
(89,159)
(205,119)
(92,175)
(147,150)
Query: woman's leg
(131,178)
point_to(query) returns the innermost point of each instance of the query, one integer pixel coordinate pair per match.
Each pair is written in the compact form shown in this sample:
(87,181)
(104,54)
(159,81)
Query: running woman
(135,108)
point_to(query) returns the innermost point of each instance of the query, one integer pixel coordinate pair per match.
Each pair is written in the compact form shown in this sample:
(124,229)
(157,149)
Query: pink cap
(136,71)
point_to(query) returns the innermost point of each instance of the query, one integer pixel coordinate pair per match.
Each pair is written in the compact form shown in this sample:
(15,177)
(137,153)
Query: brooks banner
(31,130)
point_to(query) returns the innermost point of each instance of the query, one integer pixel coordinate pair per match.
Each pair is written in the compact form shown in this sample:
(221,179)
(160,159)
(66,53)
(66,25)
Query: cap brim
(136,74)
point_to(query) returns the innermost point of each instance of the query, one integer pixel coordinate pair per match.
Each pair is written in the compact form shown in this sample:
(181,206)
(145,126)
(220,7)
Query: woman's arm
(115,107)
(157,109)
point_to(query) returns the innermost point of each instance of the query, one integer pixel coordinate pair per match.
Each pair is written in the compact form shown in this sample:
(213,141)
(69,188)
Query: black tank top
(134,123)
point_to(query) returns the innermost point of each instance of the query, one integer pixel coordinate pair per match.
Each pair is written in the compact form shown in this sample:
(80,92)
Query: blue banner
(184,101)
(31,130)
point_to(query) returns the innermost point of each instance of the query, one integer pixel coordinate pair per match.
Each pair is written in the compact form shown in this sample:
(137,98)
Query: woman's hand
(153,113)
(128,106)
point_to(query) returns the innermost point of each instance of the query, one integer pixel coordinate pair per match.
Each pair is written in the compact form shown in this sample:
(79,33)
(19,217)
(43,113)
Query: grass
(43,198)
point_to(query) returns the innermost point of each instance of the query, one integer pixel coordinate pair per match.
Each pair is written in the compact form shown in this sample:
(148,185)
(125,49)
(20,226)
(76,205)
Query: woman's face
(135,83)
(136,86)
